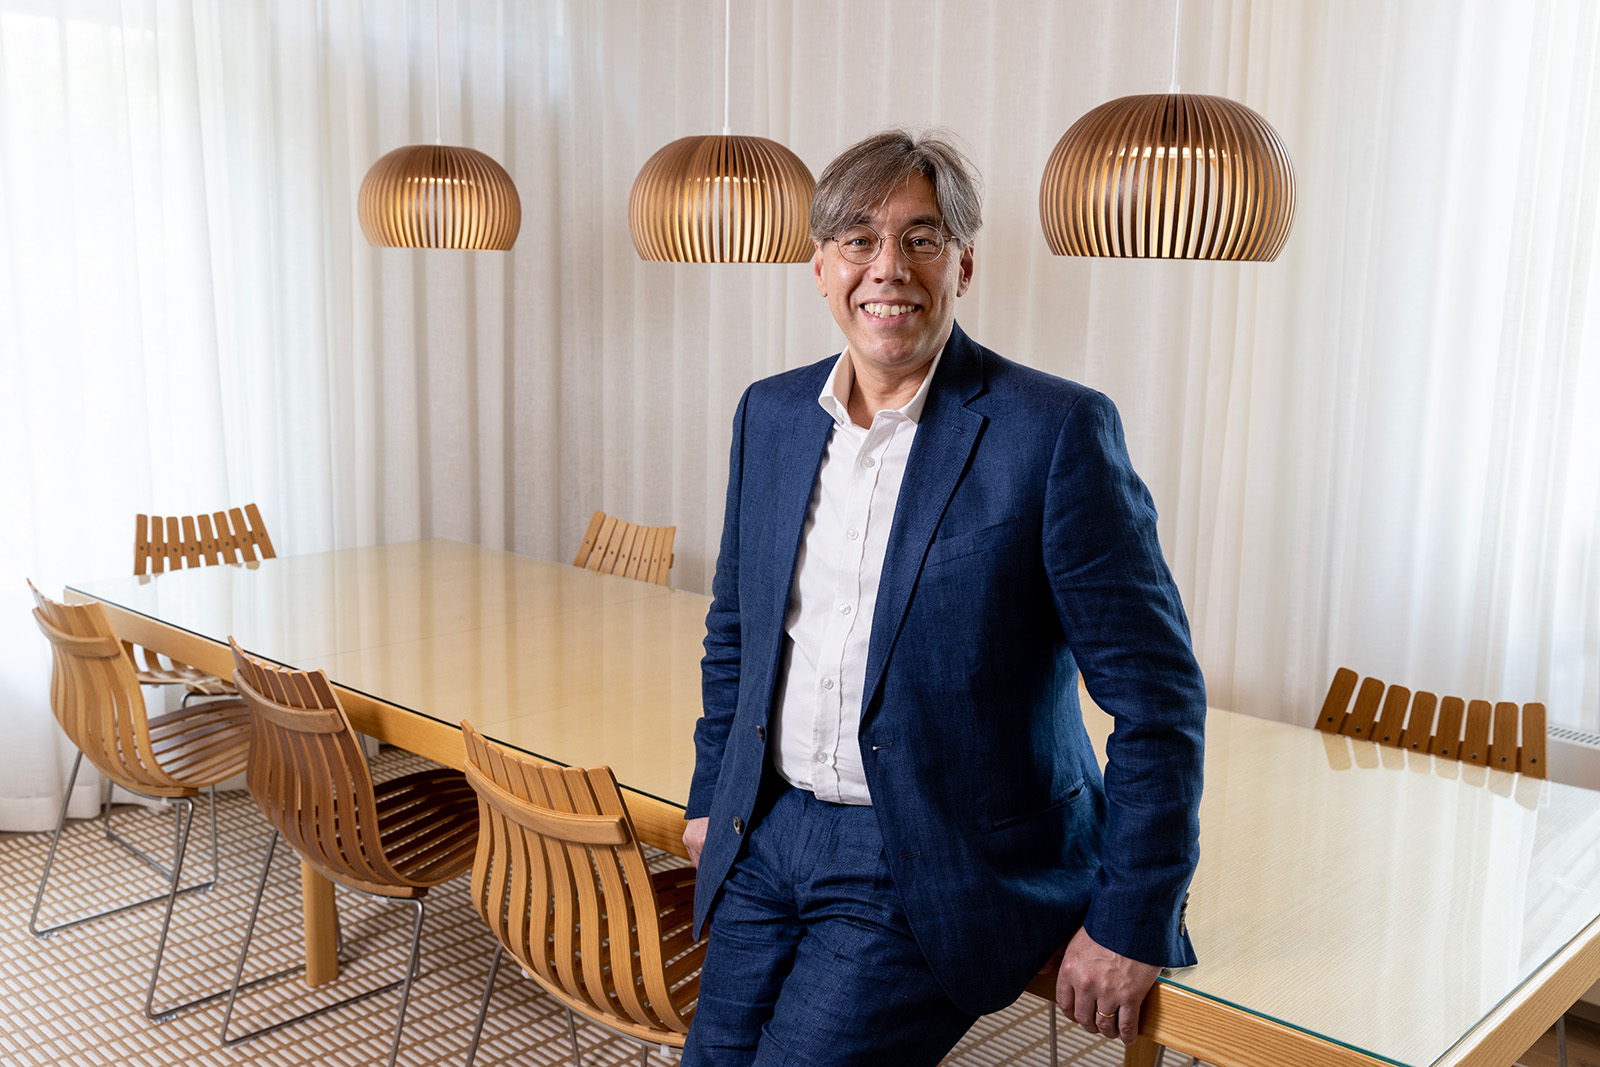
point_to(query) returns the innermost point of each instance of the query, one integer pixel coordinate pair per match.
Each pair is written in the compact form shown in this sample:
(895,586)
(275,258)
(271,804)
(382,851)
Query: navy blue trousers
(810,958)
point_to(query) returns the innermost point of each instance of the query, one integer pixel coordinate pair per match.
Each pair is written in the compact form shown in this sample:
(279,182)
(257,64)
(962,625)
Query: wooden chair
(97,700)
(394,839)
(171,543)
(1501,735)
(561,881)
(612,546)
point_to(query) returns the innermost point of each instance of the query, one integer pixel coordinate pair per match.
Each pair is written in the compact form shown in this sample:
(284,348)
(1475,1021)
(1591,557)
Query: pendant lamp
(722,199)
(1169,176)
(438,195)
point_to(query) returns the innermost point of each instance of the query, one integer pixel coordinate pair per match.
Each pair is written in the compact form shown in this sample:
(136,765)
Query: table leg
(1142,1053)
(322,950)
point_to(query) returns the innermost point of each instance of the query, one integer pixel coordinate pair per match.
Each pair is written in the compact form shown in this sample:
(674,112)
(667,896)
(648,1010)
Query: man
(896,812)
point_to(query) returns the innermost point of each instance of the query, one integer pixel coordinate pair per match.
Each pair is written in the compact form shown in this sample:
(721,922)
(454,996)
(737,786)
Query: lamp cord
(1177,20)
(727,52)
(438,135)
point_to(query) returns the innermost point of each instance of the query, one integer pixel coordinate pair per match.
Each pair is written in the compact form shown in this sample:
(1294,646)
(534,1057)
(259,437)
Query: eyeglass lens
(919,244)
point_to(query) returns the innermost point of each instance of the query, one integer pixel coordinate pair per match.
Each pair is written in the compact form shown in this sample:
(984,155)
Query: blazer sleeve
(719,669)
(1126,628)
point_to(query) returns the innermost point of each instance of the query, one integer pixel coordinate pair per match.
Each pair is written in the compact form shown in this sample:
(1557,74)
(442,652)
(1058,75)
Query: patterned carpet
(76,997)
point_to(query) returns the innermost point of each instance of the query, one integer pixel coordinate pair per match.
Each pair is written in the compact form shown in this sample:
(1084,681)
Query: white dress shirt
(835,590)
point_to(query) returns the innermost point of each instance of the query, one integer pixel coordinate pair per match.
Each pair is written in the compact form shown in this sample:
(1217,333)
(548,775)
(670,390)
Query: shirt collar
(835,394)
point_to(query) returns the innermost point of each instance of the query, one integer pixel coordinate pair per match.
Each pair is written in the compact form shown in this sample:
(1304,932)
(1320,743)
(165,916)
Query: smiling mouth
(880,310)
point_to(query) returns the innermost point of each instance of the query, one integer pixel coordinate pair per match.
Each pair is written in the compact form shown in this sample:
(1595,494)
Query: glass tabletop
(568,665)
(1380,899)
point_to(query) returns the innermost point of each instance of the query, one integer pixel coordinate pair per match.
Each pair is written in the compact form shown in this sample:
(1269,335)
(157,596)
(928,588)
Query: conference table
(1354,905)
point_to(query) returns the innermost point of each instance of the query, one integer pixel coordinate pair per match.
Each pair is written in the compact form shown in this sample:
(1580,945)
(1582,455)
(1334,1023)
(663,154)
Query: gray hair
(863,175)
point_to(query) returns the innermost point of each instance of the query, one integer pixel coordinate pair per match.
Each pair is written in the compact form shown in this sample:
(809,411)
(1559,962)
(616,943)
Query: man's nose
(891,262)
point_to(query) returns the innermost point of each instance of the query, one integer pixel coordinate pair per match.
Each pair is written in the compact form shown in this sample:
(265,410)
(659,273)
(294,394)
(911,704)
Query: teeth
(889,311)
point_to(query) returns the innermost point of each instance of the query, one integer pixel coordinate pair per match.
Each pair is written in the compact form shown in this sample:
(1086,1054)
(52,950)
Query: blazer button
(761,733)
(738,825)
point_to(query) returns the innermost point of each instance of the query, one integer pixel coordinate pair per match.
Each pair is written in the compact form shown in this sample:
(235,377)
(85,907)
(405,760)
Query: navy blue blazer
(1023,550)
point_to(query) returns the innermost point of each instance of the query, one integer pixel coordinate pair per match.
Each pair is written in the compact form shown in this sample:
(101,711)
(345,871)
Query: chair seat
(193,679)
(428,823)
(202,744)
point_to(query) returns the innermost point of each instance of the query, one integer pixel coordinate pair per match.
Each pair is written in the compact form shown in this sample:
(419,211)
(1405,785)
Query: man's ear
(966,269)
(816,269)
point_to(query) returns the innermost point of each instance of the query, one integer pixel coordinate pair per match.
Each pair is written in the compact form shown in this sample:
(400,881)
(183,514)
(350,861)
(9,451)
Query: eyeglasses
(861,243)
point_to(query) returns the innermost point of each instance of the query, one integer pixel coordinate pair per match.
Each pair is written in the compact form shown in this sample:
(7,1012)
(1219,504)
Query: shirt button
(821,757)
(827,683)
(852,534)
(844,609)
(868,461)
(738,825)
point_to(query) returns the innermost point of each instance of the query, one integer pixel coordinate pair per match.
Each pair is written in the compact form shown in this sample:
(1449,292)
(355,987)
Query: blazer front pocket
(1038,813)
(971,542)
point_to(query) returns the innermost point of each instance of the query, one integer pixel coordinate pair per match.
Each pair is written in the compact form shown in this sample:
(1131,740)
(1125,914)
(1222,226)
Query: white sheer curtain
(1377,451)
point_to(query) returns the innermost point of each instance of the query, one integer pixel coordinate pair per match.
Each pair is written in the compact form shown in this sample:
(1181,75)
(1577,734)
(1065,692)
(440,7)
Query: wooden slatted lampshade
(1169,176)
(722,199)
(439,196)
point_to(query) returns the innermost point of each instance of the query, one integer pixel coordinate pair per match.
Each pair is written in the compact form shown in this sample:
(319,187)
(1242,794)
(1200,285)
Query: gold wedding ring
(1105,1015)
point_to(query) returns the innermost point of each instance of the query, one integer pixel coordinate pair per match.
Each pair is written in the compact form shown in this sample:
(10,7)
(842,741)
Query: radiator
(1575,760)
(1574,757)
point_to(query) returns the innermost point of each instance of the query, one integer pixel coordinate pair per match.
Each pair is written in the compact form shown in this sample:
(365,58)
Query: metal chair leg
(483,1006)
(186,821)
(572,1032)
(1561,1041)
(1051,1010)
(413,967)
(49,864)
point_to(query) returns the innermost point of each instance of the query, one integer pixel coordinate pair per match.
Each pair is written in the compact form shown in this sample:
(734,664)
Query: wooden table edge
(1196,1025)
(1519,1020)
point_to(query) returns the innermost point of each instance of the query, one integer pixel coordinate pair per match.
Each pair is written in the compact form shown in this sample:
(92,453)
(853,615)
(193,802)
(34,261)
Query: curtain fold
(1376,452)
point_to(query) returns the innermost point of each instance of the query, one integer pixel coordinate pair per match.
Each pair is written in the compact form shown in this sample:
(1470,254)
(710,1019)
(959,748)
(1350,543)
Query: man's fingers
(1128,1023)
(1064,998)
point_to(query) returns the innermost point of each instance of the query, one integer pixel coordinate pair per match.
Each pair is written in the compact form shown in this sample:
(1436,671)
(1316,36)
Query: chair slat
(1503,736)
(1475,742)
(1365,714)
(1419,725)
(1531,760)
(1395,701)
(1447,735)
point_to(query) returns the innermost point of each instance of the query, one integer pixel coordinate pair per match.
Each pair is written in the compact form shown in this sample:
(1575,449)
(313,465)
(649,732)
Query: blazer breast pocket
(971,542)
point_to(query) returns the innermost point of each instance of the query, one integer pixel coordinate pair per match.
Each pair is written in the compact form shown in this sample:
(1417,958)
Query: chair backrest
(309,777)
(161,544)
(562,882)
(1501,735)
(96,697)
(612,546)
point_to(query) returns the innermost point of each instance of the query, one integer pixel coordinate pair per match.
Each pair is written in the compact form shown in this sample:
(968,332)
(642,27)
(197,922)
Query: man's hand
(694,837)
(1101,990)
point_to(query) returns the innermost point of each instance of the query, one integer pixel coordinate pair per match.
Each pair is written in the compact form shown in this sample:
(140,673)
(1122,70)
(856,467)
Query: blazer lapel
(946,436)
(797,445)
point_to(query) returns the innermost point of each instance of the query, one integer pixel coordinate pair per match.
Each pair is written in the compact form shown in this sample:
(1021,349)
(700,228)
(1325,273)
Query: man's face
(896,315)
